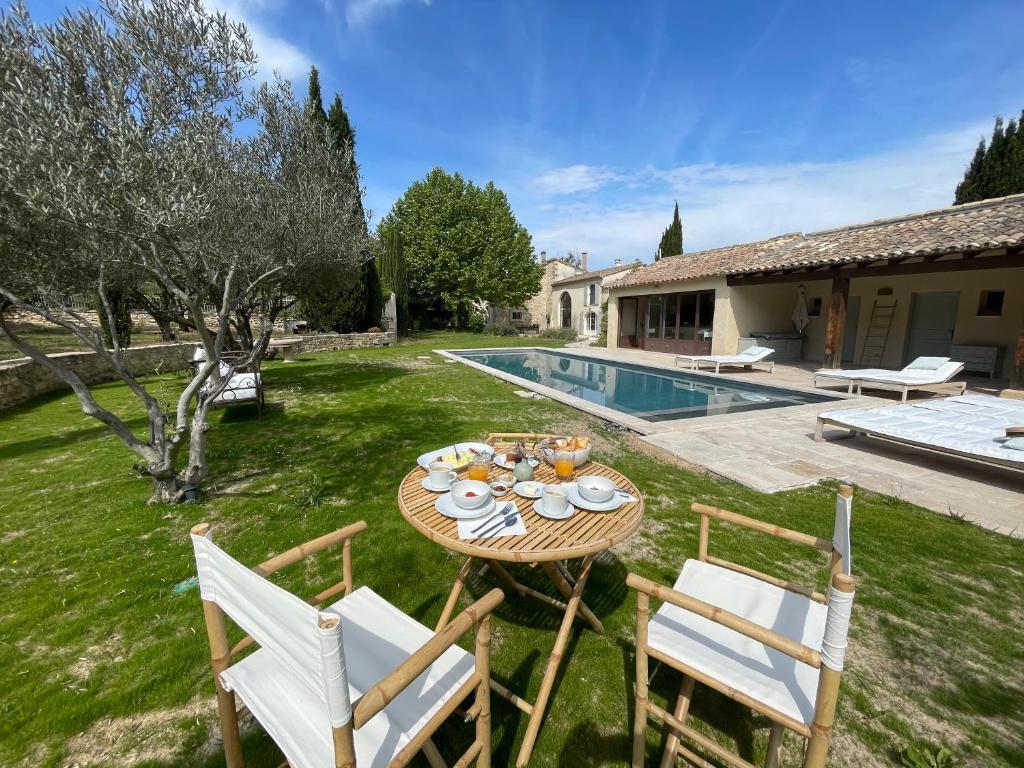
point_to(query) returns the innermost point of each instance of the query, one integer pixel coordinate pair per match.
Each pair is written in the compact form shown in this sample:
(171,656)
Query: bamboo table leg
(554,661)
(557,576)
(453,598)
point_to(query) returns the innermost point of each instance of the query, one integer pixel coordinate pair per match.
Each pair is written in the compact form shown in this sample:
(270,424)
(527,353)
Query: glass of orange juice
(479,467)
(564,465)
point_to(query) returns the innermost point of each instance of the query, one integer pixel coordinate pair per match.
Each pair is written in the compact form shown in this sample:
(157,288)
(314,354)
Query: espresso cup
(554,499)
(441,474)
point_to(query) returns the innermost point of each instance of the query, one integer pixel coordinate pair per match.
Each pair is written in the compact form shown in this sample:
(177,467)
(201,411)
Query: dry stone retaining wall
(22,379)
(324,342)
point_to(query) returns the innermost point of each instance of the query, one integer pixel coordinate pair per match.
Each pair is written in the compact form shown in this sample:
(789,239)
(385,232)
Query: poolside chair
(772,645)
(356,684)
(925,374)
(971,427)
(745,359)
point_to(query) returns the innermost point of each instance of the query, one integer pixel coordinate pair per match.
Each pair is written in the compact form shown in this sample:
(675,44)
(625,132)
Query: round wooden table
(548,542)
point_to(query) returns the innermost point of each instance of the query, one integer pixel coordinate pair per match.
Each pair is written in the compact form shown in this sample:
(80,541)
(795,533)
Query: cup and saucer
(554,503)
(440,476)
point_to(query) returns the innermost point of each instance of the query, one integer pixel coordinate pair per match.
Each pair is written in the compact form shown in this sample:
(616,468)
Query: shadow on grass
(64,439)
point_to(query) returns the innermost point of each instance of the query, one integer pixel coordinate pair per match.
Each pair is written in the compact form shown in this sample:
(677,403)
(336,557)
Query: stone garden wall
(324,342)
(22,379)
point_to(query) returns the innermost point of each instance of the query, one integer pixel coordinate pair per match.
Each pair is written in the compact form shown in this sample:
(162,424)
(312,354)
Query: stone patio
(774,450)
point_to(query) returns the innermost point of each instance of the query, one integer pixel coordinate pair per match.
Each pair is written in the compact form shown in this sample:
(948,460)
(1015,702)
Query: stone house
(576,301)
(947,282)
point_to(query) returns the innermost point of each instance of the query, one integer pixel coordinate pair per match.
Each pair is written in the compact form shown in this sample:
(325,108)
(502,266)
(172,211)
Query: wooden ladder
(882,314)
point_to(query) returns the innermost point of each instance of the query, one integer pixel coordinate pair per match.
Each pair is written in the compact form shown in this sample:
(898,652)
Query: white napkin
(518,528)
(574,488)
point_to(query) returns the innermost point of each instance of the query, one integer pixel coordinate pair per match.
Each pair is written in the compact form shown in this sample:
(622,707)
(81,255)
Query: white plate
(425,483)
(568,512)
(446,506)
(519,489)
(436,455)
(611,505)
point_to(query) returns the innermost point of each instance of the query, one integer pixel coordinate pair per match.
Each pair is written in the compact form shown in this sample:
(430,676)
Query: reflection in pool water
(647,393)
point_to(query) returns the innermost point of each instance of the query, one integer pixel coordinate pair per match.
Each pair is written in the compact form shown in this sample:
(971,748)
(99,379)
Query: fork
(503,511)
(509,521)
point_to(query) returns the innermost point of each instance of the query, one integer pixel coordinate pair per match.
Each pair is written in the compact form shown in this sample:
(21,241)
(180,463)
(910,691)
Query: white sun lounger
(926,374)
(744,359)
(970,427)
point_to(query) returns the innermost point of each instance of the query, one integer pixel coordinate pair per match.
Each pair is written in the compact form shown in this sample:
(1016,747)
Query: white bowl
(461,488)
(579,458)
(595,488)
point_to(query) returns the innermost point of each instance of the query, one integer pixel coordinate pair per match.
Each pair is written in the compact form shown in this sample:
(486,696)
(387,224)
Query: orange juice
(477,472)
(564,467)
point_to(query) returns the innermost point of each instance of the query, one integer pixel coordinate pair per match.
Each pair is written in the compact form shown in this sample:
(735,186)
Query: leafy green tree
(672,238)
(997,169)
(462,246)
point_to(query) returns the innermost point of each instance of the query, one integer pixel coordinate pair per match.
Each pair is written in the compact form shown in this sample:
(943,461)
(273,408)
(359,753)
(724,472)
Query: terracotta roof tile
(996,223)
(597,273)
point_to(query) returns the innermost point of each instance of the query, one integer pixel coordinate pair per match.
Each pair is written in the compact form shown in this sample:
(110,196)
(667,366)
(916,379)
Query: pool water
(647,393)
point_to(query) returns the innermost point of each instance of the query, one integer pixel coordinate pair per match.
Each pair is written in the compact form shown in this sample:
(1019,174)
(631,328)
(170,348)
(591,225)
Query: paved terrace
(774,450)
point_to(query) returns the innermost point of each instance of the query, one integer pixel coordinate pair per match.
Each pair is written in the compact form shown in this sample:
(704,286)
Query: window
(671,307)
(592,321)
(654,316)
(565,310)
(516,315)
(592,294)
(991,303)
(814,310)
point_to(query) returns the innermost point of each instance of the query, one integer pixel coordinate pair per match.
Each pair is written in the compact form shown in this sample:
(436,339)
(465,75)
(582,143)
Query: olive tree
(135,152)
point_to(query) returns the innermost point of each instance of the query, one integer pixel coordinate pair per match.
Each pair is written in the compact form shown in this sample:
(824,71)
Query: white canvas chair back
(840,604)
(308,642)
(841,531)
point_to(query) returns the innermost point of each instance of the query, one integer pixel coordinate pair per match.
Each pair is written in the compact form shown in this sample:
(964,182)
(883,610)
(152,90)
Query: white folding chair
(356,684)
(765,642)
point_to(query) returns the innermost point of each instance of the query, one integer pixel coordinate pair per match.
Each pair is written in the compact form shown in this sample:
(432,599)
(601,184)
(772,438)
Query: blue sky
(760,118)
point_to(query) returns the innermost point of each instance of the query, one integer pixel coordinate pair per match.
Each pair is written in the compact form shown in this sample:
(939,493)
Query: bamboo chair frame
(385,690)
(818,734)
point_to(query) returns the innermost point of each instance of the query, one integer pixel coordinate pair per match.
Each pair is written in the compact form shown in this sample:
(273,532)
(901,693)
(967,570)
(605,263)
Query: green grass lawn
(102,662)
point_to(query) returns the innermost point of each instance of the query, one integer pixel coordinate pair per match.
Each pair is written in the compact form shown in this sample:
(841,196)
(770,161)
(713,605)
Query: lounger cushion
(927,364)
(766,675)
(755,351)
(377,638)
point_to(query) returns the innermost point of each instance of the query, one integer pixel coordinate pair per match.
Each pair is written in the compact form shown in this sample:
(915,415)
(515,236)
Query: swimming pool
(651,394)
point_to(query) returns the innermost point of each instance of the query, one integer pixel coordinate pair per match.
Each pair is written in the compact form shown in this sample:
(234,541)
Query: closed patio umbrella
(800,317)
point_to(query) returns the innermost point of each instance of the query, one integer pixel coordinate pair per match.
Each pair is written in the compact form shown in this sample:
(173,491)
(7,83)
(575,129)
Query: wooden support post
(220,659)
(826,700)
(554,661)
(453,597)
(1017,375)
(835,324)
(774,757)
(483,692)
(668,758)
(346,564)
(640,710)
(564,587)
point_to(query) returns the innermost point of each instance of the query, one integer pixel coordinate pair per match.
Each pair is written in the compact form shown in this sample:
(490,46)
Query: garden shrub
(567,334)
(502,329)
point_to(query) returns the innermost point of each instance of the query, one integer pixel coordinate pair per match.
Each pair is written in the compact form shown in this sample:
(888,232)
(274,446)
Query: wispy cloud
(573,179)
(358,13)
(275,53)
(725,204)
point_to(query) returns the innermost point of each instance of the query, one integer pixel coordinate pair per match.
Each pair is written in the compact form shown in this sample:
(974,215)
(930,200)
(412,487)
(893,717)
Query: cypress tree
(391,268)
(315,101)
(339,301)
(967,190)
(672,238)
(997,169)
